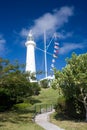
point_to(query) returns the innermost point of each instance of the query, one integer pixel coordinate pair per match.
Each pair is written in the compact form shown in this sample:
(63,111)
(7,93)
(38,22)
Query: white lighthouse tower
(30,56)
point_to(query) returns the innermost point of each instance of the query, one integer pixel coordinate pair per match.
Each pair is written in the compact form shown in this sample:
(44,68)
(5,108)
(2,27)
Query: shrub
(21,106)
(35,88)
(44,83)
(75,109)
(60,106)
(5,101)
(70,107)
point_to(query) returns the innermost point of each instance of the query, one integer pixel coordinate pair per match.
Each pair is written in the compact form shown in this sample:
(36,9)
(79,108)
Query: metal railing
(42,108)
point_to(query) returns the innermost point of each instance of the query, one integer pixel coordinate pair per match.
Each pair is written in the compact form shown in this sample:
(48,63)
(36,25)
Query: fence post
(46,107)
(51,107)
(35,109)
(40,108)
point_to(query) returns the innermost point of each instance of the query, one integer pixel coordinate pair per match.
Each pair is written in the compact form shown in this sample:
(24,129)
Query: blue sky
(68,18)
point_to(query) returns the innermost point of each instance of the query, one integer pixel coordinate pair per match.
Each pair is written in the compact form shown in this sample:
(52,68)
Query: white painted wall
(30,56)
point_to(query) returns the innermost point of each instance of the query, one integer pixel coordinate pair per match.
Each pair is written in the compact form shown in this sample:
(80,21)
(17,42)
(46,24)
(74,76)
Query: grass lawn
(47,96)
(22,121)
(68,124)
(45,100)
(15,121)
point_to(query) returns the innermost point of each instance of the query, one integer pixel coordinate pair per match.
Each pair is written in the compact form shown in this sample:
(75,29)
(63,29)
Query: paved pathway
(43,121)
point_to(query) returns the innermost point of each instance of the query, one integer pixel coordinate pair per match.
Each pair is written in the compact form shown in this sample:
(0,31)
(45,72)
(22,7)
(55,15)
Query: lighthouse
(30,55)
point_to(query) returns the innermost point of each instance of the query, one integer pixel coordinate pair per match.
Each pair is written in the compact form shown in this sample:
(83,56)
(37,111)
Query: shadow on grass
(63,117)
(1,125)
(34,101)
(17,116)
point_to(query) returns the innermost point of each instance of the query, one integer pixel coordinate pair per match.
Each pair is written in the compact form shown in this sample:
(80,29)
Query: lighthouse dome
(30,39)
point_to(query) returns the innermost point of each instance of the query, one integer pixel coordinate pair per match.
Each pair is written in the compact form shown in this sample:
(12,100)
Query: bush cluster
(70,107)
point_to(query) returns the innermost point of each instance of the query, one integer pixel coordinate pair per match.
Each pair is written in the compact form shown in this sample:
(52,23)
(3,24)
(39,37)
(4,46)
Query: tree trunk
(85,105)
(84,96)
(86,113)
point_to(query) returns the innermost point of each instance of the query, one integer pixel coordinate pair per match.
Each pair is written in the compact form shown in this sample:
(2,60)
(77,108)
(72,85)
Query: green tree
(73,79)
(14,84)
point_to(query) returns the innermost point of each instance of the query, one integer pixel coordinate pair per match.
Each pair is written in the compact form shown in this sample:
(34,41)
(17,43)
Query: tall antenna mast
(45,53)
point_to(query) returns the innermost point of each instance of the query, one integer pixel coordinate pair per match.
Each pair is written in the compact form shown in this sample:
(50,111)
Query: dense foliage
(14,84)
(45,83)
(72,81)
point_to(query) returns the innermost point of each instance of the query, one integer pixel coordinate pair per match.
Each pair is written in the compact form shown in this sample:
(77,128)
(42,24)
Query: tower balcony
(30,43)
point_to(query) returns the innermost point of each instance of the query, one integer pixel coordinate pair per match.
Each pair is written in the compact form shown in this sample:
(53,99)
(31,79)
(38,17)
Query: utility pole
(45,55)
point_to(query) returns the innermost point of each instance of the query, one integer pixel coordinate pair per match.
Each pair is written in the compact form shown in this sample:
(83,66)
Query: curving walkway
(43,121)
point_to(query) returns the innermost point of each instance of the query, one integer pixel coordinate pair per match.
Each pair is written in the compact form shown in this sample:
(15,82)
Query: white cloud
(24,32)
(50,21)
(64,35)
(70,47)
(2,45)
